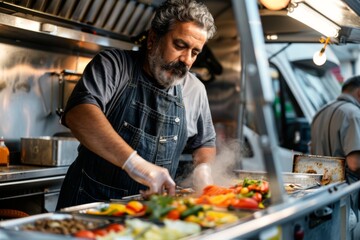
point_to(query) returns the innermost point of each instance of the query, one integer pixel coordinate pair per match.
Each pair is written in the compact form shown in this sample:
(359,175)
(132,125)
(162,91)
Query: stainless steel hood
(25,30)
(95,24)
(80,24)
(116,18)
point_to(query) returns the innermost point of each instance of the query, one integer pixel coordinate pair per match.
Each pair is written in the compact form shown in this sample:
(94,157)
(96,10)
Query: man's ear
(357,92)
(151,40)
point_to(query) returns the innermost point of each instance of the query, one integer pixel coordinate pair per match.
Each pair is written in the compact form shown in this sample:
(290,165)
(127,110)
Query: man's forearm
(204,155)
(90,126)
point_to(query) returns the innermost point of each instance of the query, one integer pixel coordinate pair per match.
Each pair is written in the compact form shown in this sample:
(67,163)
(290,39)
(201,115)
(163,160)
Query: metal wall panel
(29,90)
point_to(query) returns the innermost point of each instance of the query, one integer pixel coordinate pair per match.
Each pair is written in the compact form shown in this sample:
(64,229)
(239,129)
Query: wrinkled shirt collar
(348,98)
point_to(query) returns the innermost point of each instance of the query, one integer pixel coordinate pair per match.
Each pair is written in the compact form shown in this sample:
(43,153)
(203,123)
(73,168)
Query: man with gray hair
(134,112)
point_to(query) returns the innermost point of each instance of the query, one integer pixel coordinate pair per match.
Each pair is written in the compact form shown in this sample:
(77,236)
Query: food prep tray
(179,192)
(93,210)
(332,168)
(305,180)
(302,180)
(240,214)
(27,224)
(81,209)
(256,175)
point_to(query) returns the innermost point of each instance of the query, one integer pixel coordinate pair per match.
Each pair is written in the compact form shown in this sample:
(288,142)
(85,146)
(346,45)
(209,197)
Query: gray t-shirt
(335,130)
(110,70)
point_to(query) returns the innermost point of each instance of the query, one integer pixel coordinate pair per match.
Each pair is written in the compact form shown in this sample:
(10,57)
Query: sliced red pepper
(245,203)
(173,214)
(257,196)
(116,227)
(118,213)
(254,187)
(264,188)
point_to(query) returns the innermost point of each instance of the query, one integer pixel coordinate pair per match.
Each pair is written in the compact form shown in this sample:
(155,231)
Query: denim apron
(151,121)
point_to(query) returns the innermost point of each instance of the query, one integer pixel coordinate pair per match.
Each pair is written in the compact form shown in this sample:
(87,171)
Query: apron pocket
(166,150)
(91,190)
(144,143)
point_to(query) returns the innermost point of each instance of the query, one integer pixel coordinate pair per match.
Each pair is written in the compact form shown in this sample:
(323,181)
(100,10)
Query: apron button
(175,138)
(177,119)
(125,124)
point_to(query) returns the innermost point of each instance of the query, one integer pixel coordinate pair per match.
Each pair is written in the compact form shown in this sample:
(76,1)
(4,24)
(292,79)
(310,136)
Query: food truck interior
(45,45)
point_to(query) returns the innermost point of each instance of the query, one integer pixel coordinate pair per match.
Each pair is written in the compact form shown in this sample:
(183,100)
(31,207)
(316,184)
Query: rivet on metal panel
(264,140)
(251,69)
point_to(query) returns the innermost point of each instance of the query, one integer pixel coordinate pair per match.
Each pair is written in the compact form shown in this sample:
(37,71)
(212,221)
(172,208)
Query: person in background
(135,112)
(335,131)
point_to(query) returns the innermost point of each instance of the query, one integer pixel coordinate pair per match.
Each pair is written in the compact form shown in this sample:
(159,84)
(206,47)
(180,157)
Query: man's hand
(353,162)
(156,178)
(202,177)
(202,173)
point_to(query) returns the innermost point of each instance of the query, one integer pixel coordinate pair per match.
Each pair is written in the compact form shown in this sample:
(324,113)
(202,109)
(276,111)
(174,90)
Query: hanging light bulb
(319,57)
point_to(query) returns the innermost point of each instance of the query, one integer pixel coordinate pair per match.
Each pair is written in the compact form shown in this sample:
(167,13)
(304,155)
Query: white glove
(156,178)
(202,177)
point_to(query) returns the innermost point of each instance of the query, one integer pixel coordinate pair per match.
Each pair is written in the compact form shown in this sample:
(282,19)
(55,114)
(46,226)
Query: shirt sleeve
(350,134)
(99,82)
(204,135)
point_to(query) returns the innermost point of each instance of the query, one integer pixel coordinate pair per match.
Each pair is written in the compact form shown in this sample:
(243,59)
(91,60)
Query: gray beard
(164,78)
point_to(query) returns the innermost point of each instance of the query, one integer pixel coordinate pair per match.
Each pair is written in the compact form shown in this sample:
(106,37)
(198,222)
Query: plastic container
(4,153)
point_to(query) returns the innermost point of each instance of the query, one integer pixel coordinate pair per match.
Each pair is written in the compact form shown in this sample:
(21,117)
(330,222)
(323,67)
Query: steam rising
(227,160)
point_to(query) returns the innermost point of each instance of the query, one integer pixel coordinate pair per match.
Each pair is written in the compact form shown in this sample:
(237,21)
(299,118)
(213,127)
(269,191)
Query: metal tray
(19,223)
(332,168)
(49,151)
(304,180)
(82,209)
(256,175)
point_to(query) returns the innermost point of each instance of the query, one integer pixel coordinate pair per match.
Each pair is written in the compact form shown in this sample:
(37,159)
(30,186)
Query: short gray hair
(171,11)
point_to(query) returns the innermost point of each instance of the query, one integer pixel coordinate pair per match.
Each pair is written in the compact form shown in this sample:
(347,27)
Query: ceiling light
(319,57)
(272,37)
(307,15)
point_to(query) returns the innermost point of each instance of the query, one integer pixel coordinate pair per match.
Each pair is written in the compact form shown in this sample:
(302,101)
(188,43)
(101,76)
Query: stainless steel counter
(32,189)
(304,211)
(307,213)
(320,214)
(26,172)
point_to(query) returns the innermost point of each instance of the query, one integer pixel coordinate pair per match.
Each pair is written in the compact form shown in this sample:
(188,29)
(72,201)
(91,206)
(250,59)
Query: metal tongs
(178,190)
(298,187)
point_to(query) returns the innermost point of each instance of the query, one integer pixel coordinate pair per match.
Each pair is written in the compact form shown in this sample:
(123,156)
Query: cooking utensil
(180,191)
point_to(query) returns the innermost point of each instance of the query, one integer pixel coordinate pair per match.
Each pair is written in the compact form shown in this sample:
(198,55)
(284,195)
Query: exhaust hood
(90,24)
(94,24)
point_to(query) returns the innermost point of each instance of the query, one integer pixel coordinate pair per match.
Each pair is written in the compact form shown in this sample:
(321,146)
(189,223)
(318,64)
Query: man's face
(171,57)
